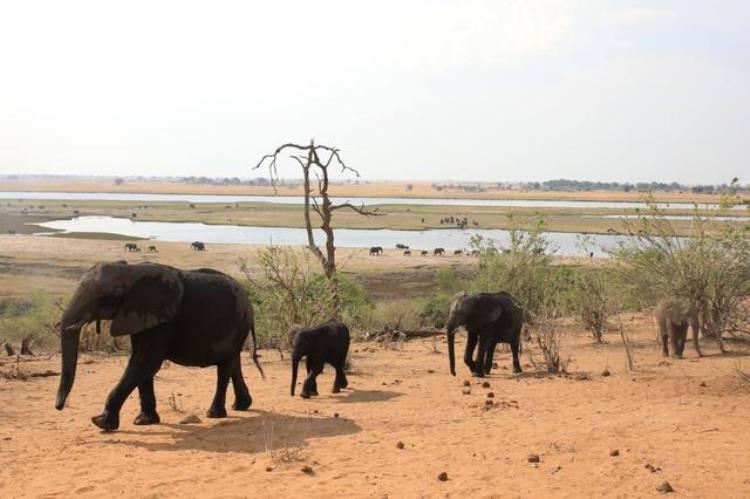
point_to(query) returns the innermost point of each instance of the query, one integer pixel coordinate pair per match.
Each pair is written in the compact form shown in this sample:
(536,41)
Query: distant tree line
(567,185)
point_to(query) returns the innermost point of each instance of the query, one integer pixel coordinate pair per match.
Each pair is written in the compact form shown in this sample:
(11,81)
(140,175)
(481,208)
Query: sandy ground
(687,419)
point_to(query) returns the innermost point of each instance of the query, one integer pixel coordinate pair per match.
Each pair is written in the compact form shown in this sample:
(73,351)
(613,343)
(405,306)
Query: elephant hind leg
(471,343)
(673,333)
(489,357)
(340,381)
(242,398)
(515,348)
(484,343)
(310,386)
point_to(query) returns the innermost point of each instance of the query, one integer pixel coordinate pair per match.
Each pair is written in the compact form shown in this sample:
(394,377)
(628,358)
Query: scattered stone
(190,419)
(335,414)
(485,384)
(533,458)
(652,468)
(606,373)
(315,411)
(467,382)
(490,395)
(400,445)
(614,453)
(308,470)
(703,384)
(556,469)
(7,438)
(665,488)
(269,468)
(489,403)
(466,390)
(443,477)
(431,371)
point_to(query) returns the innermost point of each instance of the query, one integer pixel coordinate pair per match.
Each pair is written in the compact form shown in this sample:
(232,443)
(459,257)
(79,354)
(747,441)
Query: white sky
(418,89)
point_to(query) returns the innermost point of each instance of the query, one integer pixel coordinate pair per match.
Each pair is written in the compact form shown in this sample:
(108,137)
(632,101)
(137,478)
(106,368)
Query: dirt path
(687,418)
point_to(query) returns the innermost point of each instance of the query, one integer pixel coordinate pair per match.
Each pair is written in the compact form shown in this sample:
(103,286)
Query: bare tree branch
(361,210)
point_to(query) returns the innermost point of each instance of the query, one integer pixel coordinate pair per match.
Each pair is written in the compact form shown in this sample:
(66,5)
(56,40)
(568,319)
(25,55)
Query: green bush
(35,316)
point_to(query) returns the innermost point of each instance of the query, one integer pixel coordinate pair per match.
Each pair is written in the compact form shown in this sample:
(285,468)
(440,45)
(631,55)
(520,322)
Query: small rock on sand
(614,453)
(190,419)
(490,395)
(400,445)
(606,372)
(665,488)
(485,384)
(443,477)
(308,470)
(533,458)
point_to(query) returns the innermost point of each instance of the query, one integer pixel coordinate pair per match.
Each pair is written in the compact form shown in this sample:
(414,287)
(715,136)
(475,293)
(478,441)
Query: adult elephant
(376,250)
(194,318)
(489,319)
(198,246)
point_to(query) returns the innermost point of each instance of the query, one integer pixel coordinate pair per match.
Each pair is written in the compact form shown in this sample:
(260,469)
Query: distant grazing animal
(674,315)
(401,246)
(376,250)
(458,252)
(152,249)
(474,252)
(198,246)
(439,251)
(425,253)
(326,343)
(407,252)
(192,317)
(132,248)
(11,233)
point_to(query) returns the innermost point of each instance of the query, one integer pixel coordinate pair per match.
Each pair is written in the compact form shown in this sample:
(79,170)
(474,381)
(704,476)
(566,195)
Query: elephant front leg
(148,413)
(664,343)
(242,398)
(471,343)
(484,342)
(148,353)
(489,357)
(218,405)
(310,386)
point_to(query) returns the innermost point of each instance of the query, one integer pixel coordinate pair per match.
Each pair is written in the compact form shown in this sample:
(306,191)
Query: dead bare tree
(308,157)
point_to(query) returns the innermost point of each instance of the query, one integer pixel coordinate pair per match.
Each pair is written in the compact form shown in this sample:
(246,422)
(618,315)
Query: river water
(450,239)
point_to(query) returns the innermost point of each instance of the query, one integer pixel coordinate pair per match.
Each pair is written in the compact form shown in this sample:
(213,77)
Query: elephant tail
(255,352)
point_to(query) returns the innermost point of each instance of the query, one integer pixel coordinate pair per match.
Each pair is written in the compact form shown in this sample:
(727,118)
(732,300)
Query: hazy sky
(419,89)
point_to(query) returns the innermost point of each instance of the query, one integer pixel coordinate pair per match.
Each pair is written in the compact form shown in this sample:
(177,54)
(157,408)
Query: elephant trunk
(296,357)
(69,340)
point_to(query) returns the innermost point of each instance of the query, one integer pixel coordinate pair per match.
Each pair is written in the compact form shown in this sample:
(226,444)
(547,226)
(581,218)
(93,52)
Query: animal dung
(606,373)
(467,382)
(533,458)
(190,419)
(443,477)
(614,453)
(485,384)
(490,395)
(489,403)
(335,414)
(307,470)
(400,445)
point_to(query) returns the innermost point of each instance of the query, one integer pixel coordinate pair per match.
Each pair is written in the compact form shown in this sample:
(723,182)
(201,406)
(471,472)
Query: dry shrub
(279,454)
(548,340)
(743,377)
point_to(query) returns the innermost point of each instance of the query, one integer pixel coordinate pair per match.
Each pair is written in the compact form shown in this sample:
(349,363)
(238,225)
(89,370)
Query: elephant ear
(153,298)
(485,311)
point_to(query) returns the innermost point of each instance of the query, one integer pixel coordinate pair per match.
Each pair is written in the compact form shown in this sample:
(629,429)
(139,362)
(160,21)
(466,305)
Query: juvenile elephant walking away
(674,316)
(327,343)
(489,319)
(193,318)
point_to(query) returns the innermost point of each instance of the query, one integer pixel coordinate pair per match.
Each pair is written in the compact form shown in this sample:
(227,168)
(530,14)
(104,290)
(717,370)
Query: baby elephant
(324,343)
(674,315)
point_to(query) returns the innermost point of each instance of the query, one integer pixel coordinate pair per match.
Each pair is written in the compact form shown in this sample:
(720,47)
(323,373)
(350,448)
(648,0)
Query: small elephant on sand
(324,343)
(674,315)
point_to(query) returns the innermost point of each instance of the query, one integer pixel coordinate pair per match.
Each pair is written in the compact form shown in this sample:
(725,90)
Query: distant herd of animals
(378,251)
(203,318)
(134,248)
